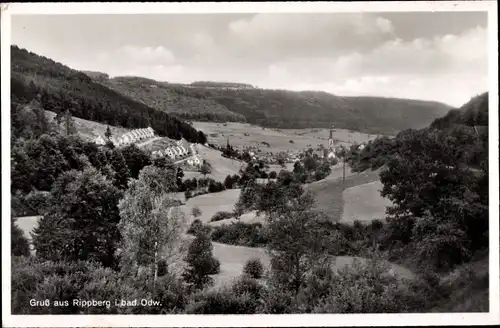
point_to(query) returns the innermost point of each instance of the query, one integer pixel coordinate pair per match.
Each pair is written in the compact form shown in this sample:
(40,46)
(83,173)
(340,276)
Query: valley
(273,182)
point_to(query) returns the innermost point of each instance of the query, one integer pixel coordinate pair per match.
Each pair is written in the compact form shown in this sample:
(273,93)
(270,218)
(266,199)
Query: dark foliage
(254,268)
(241,234)
(221,216)
(19,243)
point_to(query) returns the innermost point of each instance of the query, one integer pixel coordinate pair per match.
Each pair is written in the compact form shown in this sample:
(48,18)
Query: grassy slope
(221,166)
(364,203)
(329,192)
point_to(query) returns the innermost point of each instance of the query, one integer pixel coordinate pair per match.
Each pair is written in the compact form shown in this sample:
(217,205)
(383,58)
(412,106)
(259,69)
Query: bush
(221,216)
(291,141)
(188,194)
(241,234)
(195,227)
(254,268)
(369,288)
(222,301)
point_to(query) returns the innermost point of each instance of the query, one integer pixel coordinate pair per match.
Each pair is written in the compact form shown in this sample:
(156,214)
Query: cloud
(150,55)
(440,56)
(274,36)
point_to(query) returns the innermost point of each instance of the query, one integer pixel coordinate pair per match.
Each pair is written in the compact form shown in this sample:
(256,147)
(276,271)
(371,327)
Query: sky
(441,56)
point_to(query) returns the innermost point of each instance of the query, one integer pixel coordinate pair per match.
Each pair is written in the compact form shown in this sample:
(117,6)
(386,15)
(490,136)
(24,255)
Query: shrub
(369,288)
(188,194)
(239,233)
(221,216)
(195,227)
(291,141)
(222,301)
(254,268)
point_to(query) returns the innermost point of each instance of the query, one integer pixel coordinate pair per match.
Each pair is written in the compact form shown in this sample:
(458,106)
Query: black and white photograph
(252,160)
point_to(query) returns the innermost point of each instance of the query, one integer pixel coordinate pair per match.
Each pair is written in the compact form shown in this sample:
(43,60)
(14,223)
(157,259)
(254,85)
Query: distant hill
(473,113)
(219,101)
(172,99)
(96,75)
(60,88)
(221,85)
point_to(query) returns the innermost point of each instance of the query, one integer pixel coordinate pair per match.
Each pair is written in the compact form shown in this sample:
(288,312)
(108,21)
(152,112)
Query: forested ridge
(171,99)
(211,101)
(60,88)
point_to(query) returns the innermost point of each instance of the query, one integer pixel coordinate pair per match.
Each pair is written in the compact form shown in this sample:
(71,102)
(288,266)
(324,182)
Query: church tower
(330,139)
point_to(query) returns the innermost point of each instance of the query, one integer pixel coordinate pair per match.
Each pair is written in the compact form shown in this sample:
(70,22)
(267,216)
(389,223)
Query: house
(196,160)
(169,152)
(135,135)
(183,150)
(151,131)
(192,147)
(125,139)
(176,151)
(99,141)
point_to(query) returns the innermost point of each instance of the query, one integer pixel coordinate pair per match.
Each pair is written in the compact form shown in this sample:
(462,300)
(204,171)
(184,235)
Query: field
(221,166)
(364,202)
(329,192)
(244,135)
(210,204)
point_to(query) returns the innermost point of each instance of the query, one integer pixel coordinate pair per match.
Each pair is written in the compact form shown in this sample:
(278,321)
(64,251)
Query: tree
(206,168)
(201,262)
(196,212)
(228,182)
(273,175)
(179,176)
(119,165)
(19,243)
(82,223)
(151,224)
(69,123)
(238,210)
(297,241)
(434,193)
(108,133)
(136,159)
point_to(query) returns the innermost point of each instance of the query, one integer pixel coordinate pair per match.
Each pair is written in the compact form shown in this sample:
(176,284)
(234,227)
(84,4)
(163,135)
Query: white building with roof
(100,141)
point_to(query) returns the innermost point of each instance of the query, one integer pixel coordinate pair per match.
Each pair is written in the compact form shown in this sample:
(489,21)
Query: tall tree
(150,224)
(201,263)
(108,133)
(206,168)
(82,221)
(19,243)
(119,165)
(297,242)
(69,123)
